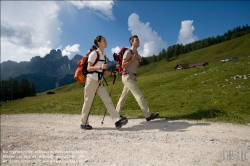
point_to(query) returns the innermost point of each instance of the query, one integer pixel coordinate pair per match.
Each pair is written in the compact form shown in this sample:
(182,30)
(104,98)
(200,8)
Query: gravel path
(55,139)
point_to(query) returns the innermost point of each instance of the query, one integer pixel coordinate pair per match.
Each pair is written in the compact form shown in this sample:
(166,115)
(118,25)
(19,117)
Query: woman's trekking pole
(110,96)
(99,83)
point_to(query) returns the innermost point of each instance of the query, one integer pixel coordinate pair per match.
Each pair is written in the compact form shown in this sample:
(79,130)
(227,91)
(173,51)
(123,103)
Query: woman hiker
(94,85)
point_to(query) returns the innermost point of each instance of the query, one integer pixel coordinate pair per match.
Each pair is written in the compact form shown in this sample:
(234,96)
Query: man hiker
(130,63)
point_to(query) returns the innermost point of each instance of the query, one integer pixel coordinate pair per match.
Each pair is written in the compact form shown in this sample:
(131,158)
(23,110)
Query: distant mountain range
(46,73)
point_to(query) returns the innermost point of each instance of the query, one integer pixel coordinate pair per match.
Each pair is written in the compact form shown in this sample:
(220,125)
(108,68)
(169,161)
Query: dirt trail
(55,139)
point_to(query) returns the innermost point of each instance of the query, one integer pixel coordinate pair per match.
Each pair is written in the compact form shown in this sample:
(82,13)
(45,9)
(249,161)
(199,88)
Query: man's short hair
(131,39)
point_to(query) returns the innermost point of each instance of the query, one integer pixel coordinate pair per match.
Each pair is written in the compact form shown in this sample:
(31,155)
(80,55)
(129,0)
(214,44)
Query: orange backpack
(81,72)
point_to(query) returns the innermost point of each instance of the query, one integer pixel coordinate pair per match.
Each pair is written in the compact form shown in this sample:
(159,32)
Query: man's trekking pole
(110,96)
(99,83)
(112,85)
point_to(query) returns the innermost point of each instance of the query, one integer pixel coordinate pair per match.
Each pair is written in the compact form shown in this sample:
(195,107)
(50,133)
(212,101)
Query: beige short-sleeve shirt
(133,67)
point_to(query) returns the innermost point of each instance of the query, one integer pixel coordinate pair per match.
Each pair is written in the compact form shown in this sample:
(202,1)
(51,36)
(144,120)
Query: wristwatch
(100,68)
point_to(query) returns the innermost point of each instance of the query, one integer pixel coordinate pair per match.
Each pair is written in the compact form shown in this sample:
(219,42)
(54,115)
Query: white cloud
(186,33)
(69,49)
(28,29)
(115,50)
(150,42)
(100,8)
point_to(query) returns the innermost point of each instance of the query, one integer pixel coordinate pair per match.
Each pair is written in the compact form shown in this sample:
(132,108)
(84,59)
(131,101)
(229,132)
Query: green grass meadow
(210,93)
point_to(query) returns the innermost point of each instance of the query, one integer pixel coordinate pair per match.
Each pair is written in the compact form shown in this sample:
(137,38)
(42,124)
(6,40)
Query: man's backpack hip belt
(127,72)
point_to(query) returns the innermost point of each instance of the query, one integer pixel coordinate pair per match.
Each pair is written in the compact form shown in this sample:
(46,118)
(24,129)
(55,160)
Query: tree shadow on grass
(200,114)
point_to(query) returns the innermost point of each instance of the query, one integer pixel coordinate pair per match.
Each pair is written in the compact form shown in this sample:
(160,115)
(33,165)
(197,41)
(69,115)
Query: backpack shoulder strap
(97,58)
(130,50)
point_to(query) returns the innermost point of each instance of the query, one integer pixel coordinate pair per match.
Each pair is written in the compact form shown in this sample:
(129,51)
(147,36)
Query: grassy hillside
(210,93)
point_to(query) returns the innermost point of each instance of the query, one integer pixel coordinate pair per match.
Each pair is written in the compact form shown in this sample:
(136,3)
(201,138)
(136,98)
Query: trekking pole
(99,82)
(112,85)
(110,96)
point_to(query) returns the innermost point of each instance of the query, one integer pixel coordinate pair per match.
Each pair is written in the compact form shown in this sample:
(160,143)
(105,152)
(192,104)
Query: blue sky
(31,28)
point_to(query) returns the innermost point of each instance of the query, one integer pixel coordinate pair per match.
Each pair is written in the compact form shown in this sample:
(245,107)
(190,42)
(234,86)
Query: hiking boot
(86,127)
(152,116)
(121,122)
